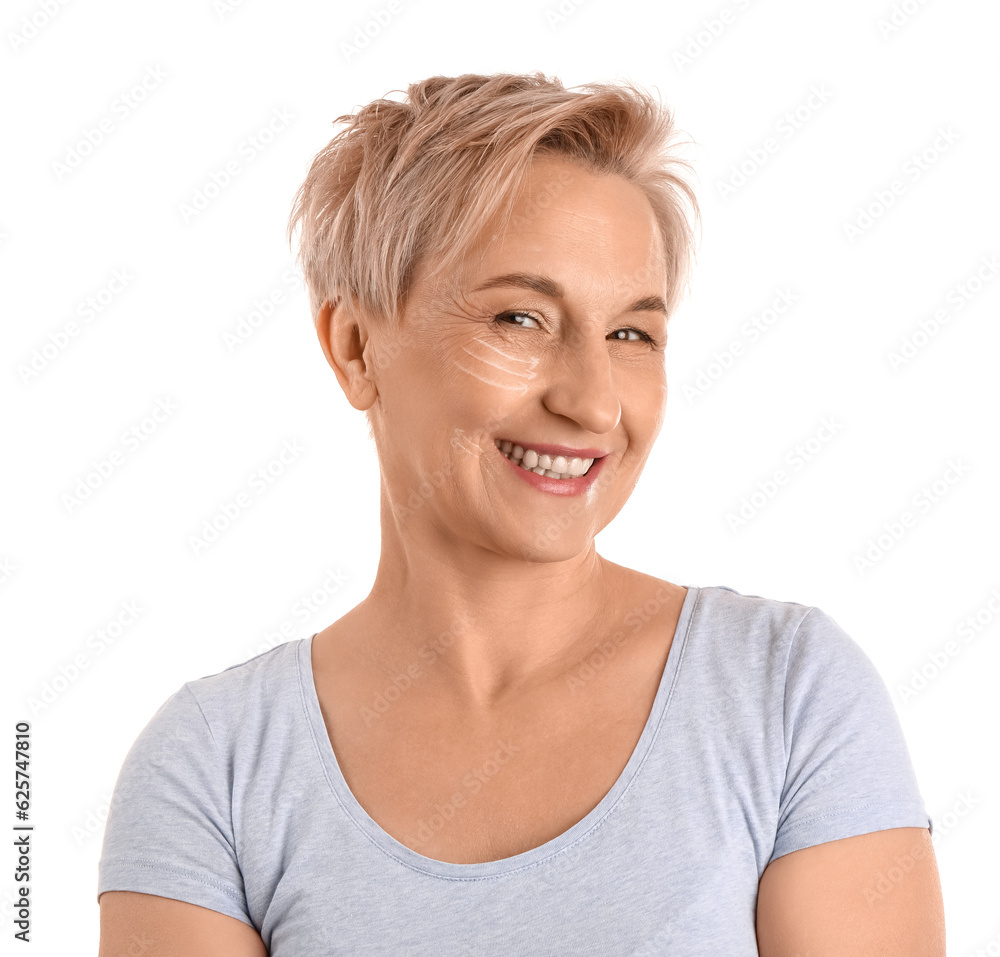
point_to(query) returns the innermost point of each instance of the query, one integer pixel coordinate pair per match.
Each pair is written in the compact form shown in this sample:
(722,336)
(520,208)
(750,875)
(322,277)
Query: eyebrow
(552,289)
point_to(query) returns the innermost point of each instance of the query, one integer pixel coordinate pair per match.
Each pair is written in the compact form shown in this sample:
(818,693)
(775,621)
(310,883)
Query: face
(569,355)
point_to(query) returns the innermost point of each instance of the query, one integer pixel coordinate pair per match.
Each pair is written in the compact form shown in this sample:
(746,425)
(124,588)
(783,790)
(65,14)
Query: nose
(580,386)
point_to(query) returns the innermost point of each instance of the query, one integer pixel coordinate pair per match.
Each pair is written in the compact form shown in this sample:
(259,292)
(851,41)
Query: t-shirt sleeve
(169,829)
(848,769)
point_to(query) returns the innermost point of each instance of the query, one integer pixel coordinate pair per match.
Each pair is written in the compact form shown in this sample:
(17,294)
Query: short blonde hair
(423,177)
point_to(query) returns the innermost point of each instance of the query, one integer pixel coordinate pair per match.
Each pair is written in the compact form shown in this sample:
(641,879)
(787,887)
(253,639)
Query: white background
(70,570)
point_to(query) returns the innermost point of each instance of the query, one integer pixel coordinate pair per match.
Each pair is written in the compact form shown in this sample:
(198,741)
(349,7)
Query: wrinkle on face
(477,377)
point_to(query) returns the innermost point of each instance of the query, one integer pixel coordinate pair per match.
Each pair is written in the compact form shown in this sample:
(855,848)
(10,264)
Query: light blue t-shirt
(771,731)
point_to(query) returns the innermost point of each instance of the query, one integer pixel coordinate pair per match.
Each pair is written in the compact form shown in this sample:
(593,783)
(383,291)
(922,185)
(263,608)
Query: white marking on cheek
(465,444)
(486,354)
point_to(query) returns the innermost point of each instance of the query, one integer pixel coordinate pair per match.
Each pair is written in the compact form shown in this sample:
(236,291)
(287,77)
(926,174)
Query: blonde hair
(423,177)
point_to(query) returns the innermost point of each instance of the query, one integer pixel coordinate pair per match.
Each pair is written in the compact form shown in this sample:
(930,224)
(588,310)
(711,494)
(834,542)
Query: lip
(556,449)
(573,486)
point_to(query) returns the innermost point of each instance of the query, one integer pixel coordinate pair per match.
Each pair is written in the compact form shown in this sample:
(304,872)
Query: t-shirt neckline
(484,869)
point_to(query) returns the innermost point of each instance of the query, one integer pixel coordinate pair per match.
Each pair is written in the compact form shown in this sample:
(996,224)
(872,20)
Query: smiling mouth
(552,466)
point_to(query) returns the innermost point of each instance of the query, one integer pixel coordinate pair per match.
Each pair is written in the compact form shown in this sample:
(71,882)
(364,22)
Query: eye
(643,337)
(501,319)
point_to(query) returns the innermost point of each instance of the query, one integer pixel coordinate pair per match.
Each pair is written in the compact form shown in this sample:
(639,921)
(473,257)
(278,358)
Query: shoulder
(746,652)
(784,630)
(726,606)
(731,624)
(751,613)
(722,619)
(227,704)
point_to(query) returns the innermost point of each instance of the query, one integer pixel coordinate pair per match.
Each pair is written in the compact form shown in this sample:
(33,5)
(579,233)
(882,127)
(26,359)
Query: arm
(873,895)
(169,881)
(133,923)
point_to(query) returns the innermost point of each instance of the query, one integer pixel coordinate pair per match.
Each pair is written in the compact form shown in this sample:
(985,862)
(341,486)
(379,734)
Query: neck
(479,626)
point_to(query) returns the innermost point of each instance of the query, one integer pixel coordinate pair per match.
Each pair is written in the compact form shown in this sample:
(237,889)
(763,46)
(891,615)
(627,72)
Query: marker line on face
(520,387)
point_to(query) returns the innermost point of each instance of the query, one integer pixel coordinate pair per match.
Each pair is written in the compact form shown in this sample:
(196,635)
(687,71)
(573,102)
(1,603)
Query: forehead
(558,193)
(594,234)
(587,230)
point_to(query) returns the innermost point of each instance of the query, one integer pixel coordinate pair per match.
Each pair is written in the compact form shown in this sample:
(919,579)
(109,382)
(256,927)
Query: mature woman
(513,745)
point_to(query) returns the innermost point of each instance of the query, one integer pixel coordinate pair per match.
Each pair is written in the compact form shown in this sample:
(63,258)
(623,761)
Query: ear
(347,346)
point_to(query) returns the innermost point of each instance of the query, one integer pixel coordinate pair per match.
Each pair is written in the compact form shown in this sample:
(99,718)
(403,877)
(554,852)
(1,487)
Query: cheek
(643,395)
(493,365)
(642,383)
(434,401)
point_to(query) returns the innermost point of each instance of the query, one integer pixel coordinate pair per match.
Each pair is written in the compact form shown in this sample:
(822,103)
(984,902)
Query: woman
(513,745)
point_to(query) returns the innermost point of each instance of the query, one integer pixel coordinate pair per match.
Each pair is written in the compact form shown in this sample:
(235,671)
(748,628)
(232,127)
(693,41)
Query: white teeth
(558,466)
